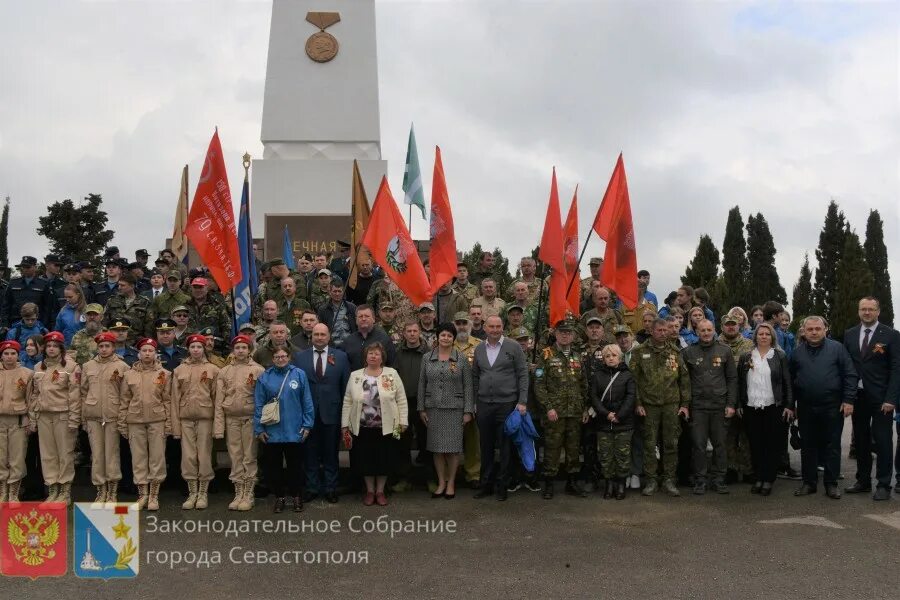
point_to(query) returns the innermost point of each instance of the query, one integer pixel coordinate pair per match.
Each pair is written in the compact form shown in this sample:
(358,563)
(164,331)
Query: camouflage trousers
(737,446)
(615,453)
(661,424)
(563,434)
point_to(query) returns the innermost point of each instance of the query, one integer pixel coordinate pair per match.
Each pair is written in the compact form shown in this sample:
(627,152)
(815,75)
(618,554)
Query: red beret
(105,336)
(240,339)
(147,342)
(6,345)
(55,336)
(196,338)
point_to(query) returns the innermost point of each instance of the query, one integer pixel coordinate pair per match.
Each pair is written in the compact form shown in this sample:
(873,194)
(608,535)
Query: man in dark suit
(875,350)
(500,379)
(327,370)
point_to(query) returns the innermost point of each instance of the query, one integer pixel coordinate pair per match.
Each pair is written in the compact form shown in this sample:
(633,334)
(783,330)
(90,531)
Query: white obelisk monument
(320,112)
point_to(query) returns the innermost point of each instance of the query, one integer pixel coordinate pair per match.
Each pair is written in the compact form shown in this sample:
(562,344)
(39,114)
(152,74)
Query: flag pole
(537,319)
(578,265)
(410,220)
(251,264)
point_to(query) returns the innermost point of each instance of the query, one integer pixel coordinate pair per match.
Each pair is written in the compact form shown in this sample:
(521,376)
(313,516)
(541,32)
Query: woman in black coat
(612,394)
(767,404)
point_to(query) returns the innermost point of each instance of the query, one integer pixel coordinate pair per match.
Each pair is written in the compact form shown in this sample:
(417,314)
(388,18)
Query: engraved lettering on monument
(322,46)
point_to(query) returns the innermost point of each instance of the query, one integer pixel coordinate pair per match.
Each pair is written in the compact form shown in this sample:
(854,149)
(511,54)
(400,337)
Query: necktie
(865,343)
(320,371)
(155,293)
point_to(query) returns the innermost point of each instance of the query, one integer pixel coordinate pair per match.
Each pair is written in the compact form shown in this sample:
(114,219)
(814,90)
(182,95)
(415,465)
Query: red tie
(319,370)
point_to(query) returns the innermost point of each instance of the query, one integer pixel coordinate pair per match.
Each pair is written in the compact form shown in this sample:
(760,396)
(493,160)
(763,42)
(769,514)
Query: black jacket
(880,368)
(409,366)
(620,399)
(713,376)
(823,376)
(355,343)
(18,293)
(781,378)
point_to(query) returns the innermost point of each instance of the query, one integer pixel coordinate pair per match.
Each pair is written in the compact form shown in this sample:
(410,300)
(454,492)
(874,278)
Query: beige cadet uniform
(102,381)
(193,398)
(14,384)
(234,417)
(145,420)
(471,442)
(56,408)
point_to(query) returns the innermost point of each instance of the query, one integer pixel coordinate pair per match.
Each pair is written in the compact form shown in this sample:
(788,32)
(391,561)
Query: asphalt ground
(713,546)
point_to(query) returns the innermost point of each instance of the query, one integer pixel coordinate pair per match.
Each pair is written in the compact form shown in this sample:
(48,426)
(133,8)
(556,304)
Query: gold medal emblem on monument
(322,46)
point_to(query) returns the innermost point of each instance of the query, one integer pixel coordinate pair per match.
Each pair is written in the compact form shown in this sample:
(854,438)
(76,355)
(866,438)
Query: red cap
(240,339)
(196,338)
(55,336)
(199,281)
(147,342)
(105,336)
(10,344)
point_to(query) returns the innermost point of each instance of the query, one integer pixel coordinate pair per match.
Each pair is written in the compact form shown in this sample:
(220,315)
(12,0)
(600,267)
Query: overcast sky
(776,107)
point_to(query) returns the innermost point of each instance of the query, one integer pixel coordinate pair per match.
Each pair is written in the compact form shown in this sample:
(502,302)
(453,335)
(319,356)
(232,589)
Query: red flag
(211,228)
(392,248)
(570,247)
(442,258)
(33,539)
(551,253)
(613,223)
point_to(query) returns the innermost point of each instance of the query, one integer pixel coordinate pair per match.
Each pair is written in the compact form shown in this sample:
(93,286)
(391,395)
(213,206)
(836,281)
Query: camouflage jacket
(84,346)
(162,305)
(318,297)
(468,292)
(533,288)
(739,345)
(385,290)
(661,376)
(210,314)
(138,313)
(293,315)
(467,349)
(560,384)
(610,319)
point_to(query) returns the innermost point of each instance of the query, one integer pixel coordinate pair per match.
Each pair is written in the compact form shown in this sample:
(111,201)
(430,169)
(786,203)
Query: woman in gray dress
(446,404)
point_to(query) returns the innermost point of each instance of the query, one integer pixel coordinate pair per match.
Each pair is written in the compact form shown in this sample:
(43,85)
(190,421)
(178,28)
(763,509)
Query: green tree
(877,259)
(853,281)
(802,300)
(703,269)
(4,234)
(762,280)
(734,261)
(76,231)
(828,254)
(501,265)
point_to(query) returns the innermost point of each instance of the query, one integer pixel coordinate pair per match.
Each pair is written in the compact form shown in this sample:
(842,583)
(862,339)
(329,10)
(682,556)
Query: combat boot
(669,487)
(153,498)
(101,496)
(112,491)
(548,489)
(3,491)
(52,492)
(246,501)
(238,495)
(650,488)
(608,491)
(65,493)
(13,491)
(573,487)
(202,495)
(191,501)
(142,499)
(620,489)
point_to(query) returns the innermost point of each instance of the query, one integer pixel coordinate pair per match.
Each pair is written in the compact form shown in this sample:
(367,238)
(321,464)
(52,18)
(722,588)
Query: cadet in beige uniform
(193,397)
(102,381)
(14,383)
(145,421)
(56,412)
(234,419)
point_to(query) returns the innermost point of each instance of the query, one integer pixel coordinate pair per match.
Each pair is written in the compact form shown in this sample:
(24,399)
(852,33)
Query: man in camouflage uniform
(560,390)
(467,290)
(592,359)
(513,317)
(130,306)
(527,268)
(83,345)
(204,312)
(387,320)
(385,290)
(466,344)
(596,267)
(447,303)
(291,306)
(737,445)
(663,395)
(319,297)
(427,325)
(608,315)
(170,297)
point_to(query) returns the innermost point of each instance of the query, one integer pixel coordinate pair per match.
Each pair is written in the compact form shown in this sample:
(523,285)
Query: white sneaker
(634,482)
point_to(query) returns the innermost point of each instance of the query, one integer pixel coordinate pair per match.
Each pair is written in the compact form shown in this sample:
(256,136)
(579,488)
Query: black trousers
(820,436)
(868,423)
(279,478)
(490,417)
(765,431)
(33,482)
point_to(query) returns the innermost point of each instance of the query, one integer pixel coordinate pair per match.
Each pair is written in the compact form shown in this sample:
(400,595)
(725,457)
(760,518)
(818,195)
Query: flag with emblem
(33,541)
(613,224)
(245,291)
(107,540)
(393,249)
(414,194)
(442,256)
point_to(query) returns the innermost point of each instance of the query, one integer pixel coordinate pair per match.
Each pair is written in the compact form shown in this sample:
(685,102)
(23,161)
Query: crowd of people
(142,371)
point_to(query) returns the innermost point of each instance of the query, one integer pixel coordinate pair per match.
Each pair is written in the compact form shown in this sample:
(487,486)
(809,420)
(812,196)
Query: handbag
(271,411)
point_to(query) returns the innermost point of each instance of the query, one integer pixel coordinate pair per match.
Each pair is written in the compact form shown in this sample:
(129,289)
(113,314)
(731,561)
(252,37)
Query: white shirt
(493,351)
(759,380)
(324,358)
(157,291)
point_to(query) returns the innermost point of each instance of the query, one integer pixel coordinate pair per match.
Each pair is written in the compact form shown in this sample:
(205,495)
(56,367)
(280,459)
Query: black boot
(620,489)
(608,492)
(573,487)
(548,489)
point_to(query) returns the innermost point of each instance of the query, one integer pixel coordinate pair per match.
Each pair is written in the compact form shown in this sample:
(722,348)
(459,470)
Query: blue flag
(287,250)
(245,291)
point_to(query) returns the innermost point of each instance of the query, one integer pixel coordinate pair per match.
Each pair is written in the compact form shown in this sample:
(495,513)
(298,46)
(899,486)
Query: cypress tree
(734,261)
(877,260)
(704,268)
(853,281)
(4,235)
(828,254)
(762,281)
(802,302)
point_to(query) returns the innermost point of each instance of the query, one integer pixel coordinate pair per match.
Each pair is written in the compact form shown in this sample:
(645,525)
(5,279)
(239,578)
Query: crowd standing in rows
(616,399)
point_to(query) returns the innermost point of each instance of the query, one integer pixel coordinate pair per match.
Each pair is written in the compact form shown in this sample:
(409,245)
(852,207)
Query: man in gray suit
(500,379)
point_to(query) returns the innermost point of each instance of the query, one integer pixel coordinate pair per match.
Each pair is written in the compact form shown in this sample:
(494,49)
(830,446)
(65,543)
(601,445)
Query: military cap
(566,324)
(594,319)
(85,265)
(343,245)
(519,333)
(121,323)
(164,324)
(728,318)
(387,304)
(461,316)
(155,271)
(111,251)
(161,261)
(94,308)
(72,268)
(135,265)
(595,261)
(513,307)
(323,272)
(112,261)
(265,266)
(28,261)
(197,272)
(141,252)
(307,256)
(621,329)
(174,274)
(426,306)
(53,259)
(180,308)
(276,262)
(248,326)
(209,333)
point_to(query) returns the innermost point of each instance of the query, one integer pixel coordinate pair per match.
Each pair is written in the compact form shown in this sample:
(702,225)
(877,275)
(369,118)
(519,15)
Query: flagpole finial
(247,158)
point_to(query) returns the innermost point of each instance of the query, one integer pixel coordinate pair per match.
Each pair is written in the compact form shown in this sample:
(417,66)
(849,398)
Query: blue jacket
(327,393)
(295,404)
(21,333)
(29,362)
(521,429)
(67,323)
(689,336)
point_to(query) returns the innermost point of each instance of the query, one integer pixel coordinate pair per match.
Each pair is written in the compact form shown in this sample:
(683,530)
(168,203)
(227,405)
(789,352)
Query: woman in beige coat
(375,413)
(14,383)
(235,387)
(55,414)
(193,399)
(145,421)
